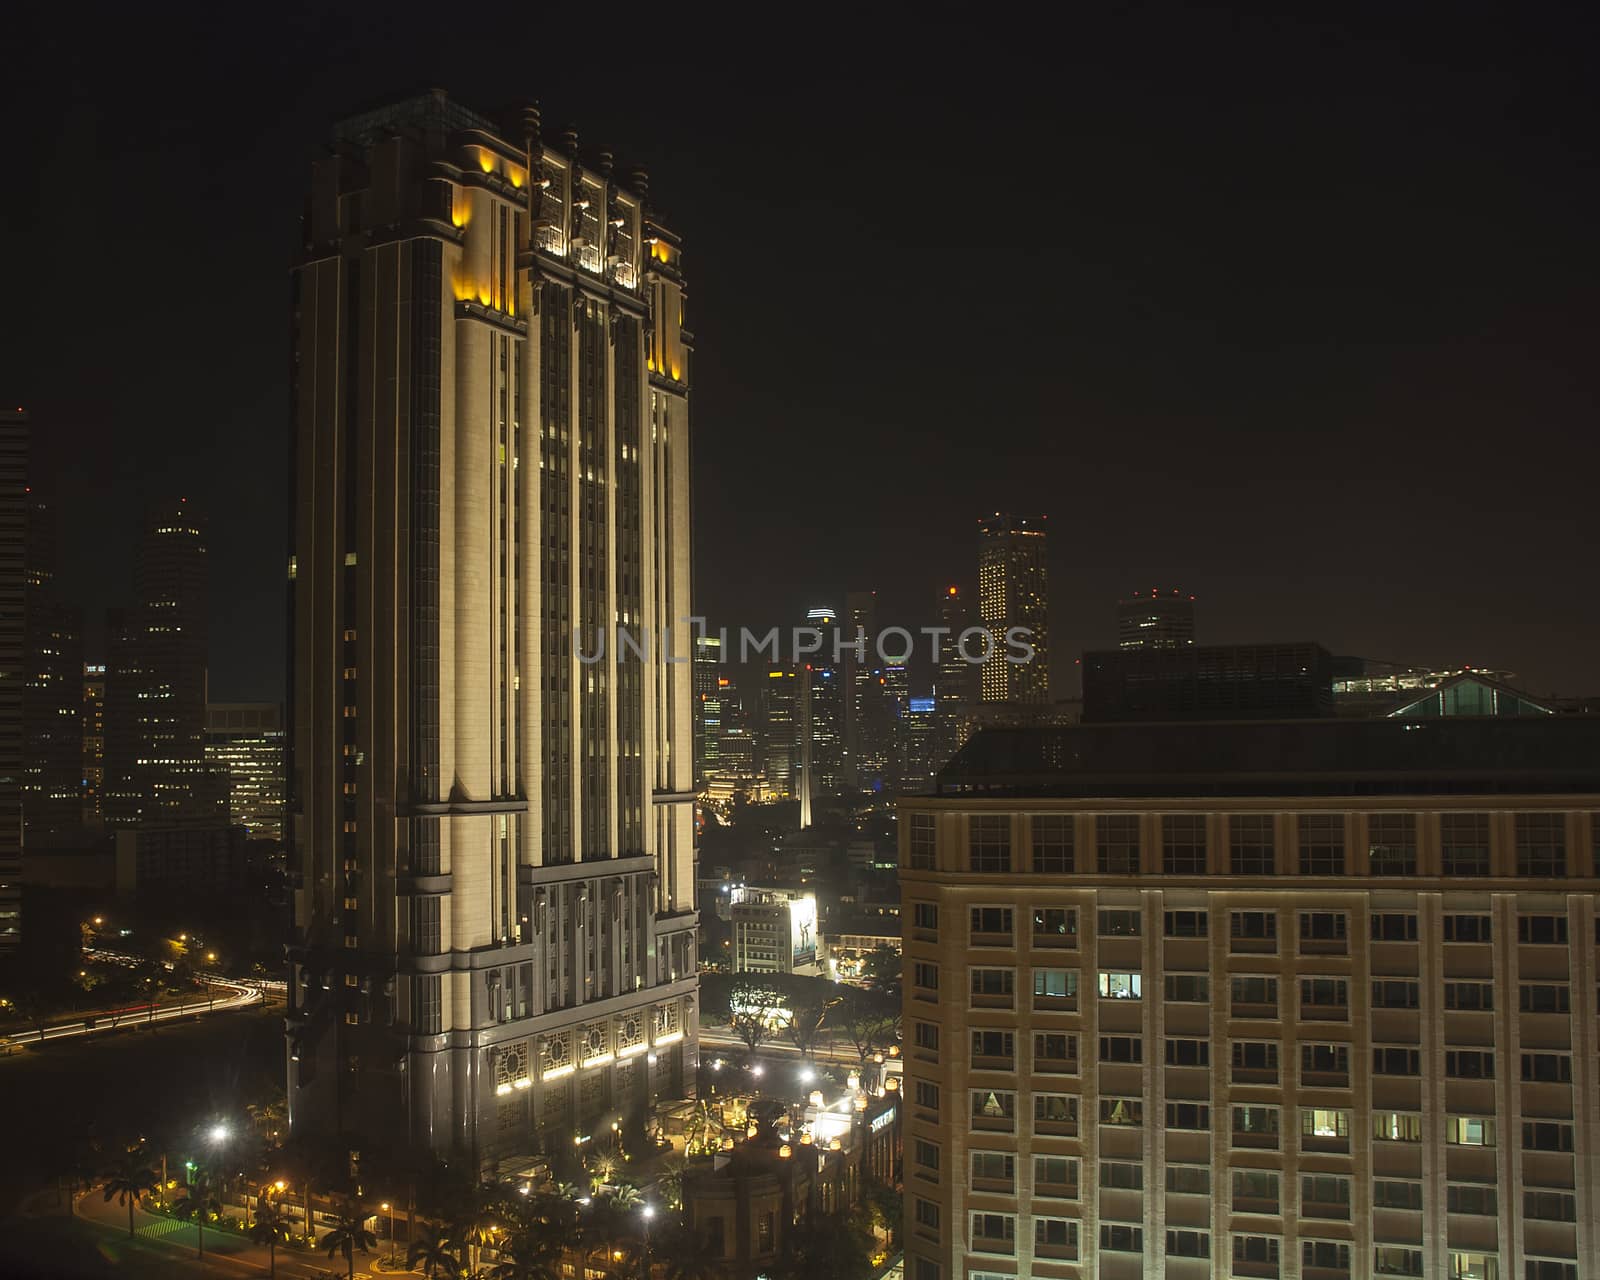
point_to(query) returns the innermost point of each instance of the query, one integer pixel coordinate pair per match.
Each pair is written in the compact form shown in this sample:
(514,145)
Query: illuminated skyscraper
(1013,592)
(708,675)
(244,745)
(52,694)
(826,694)
(155,701)
(1155,620)
(13,558)
(493,838)
(94,742)
(861,638)
(956,682)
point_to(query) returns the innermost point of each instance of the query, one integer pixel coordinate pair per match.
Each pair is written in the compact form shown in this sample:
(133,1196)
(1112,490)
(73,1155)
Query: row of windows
(1259,1125)
(1250,996)
(1262,1255)
(995,926)
(1539,842)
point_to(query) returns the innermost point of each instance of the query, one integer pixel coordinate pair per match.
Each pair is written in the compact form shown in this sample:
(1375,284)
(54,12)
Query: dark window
(1464,844)
(1395,993)
(1541,844)
(1462,928)
(989,837)
(1542,930)
(1117,843)
(1321,844)
(1186,924)
(1052,844)
(1394,926)
(1392,844)
(1183,844)
(1469,1064)
(1252,847)
(924,841)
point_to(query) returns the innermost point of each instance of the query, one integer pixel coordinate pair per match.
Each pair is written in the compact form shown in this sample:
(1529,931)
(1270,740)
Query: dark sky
(1298,314)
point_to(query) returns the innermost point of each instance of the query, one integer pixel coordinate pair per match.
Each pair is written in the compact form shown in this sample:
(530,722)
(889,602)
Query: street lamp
(389,1209)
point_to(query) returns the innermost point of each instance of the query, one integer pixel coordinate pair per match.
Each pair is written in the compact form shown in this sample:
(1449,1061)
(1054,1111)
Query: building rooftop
(1446,756)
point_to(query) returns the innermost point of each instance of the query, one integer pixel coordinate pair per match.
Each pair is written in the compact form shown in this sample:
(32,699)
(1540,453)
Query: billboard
(803,929)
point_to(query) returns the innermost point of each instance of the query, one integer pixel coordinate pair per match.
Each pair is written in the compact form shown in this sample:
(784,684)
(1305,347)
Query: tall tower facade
(52,695)
(860,656)
(13,537)
(955,683)
(491,805)
(1157,620)
(1013,592)
(156,680)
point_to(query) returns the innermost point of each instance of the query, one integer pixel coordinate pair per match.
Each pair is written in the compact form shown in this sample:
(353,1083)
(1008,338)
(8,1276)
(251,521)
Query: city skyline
(1190,385)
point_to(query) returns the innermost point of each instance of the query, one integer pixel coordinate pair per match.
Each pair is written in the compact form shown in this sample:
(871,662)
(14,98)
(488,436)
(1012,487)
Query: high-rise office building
(1013,595)
(155,700)
(782,738)
(244,745)
(1309,999)
(52,694)
(493,837)
(122,680)
(826,711)
(13,593)
(93,718)
(860,642)
(708,684)
(1155,620)
(956,681)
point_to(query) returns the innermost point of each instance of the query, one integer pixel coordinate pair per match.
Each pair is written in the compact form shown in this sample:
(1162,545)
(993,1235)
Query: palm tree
(270,1228)
(434,1249)
(198,1203)
(349,1233)
(528,1257)
(684,1254)
(129,1181)
(606,1226)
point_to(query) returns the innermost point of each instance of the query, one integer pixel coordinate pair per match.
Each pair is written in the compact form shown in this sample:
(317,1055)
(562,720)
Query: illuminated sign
(922,704)
(803,929)
(882,1122)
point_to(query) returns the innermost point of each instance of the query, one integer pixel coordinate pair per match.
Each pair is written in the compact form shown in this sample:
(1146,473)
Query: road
(729,1045)
(226,1254)
(241,997)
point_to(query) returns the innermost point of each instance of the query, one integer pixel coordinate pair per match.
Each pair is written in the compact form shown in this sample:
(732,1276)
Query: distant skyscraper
(244,744)
(493,839)
(708,673)
(1155,620)
(1013,592)
(155,769)
(955,684)
(94,742)
(123,682)
(861,637)
(782,693)
(13,558)
(826,706)
(52,695)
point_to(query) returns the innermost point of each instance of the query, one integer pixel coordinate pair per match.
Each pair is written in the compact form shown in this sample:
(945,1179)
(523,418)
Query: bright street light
(219,1133)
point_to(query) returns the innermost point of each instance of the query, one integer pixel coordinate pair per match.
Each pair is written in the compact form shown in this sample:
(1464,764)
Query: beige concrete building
(1310,1001)
(490,797)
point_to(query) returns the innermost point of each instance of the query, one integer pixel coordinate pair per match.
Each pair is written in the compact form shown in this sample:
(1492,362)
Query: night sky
(1298,315)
